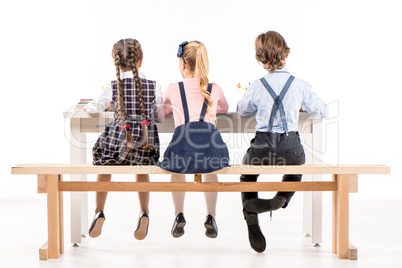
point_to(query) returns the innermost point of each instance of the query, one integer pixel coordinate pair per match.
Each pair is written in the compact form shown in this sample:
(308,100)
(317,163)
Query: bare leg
(96,226)
(101,196)
(211,197)
(143,220)
(143,196)
(178,197)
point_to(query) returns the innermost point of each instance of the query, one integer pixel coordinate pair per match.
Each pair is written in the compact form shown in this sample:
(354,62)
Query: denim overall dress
(196,147)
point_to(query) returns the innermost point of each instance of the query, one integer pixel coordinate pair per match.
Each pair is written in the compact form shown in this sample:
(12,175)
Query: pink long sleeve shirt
(172,101)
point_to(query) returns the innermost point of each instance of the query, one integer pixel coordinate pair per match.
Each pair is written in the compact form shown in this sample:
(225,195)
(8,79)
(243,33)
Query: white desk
(82,123)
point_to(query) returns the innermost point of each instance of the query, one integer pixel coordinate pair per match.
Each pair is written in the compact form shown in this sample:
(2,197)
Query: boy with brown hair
(276,100)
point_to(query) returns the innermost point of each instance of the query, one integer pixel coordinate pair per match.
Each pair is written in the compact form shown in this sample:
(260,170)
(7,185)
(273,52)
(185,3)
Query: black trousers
(273,149)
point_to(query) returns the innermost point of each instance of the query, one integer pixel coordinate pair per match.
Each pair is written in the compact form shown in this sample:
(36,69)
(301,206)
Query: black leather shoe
(142,227)
(96,225)
(178,225)
(257,205)
(255,236)
(211,230)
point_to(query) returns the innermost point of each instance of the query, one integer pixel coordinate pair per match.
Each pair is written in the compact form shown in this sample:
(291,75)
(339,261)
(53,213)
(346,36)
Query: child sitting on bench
(276,100)
(132,137)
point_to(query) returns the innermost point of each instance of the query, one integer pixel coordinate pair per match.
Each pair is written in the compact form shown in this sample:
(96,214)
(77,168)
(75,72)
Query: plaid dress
(111,148)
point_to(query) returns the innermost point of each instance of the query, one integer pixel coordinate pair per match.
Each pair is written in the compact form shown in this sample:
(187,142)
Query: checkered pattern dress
(110,148)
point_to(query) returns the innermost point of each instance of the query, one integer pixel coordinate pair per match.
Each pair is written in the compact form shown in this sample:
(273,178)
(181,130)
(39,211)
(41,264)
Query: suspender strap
(278,102)
(184,102)
(205,106)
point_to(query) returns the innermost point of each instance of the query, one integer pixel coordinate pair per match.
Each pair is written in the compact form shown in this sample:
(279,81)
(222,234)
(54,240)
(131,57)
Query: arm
(312,104)
(222,106)
(102,103)
(247,106)
(167,104)
(158,112)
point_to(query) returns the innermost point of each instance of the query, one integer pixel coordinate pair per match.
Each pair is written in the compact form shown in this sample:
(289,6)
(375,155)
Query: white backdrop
(52,53)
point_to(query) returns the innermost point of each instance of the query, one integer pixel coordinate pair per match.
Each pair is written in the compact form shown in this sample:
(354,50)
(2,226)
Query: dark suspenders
(185,107)
(278,103)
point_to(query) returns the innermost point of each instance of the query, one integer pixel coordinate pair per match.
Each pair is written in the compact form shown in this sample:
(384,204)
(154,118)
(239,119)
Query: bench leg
(53,216)
(197,178)
(61,218)
(341,221)
(334,219)
(43,254)
(352,252)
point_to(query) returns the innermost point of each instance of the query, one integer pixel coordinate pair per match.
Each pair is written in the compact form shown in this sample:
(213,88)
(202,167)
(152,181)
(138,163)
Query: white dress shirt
(257,100)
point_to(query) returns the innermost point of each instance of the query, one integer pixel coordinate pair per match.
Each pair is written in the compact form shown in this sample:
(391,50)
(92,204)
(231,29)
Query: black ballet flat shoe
(178,225)
(96,225)
(142,227)
(257,205)
(211,230)
(255,236)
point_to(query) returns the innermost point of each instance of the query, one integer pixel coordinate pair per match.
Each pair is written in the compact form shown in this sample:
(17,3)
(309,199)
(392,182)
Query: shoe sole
(210,231)
(261,206)
(179,230)
(97,230)
(142,231)
(253,232)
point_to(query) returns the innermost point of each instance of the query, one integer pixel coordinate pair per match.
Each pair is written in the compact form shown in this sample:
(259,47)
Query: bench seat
(344,181)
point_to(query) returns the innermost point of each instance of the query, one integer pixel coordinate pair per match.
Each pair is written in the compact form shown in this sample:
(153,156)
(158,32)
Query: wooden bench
(344,181)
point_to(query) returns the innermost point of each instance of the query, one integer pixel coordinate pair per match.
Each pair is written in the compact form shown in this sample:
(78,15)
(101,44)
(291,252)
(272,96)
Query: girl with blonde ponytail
(132,137)
(186,100)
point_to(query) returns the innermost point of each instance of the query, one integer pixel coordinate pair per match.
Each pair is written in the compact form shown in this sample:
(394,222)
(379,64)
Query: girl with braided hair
(186,100)
(132,137)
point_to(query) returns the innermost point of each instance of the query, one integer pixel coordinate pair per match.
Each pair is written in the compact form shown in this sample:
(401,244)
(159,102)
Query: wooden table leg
(342,207)
(53,216)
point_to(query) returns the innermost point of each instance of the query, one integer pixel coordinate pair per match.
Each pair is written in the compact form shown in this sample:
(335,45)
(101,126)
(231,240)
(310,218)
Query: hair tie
(144,123)
(126,127)
(180,51)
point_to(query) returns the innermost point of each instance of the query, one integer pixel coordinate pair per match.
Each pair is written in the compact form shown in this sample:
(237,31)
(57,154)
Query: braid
(120,96)
(137,82)
(136,51)
(126,54)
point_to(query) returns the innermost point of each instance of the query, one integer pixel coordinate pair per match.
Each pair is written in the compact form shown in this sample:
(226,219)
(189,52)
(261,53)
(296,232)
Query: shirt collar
(283,70)
(130,75)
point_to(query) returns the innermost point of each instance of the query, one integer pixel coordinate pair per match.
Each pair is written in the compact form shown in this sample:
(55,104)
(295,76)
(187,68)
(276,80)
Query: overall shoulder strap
(205,106)
(184,102)
(278,102)
(268,87)
(280,106)
(286,86)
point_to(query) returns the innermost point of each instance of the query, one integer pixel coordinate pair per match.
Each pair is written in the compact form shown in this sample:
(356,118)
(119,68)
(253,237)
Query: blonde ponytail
(196,57)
